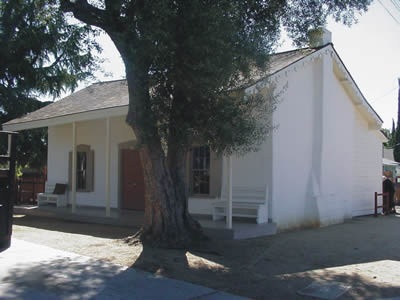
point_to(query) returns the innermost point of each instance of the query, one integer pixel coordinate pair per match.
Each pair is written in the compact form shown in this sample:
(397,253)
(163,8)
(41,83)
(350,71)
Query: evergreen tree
(42,52)
(31,144)
(390,135)
(392,140)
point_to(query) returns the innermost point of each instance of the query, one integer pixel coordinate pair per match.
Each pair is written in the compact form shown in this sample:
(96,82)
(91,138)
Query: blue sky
(370,49)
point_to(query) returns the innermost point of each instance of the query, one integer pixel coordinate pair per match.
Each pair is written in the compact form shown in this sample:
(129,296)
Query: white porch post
(107,183)
(229,204)
(9,142)
(73,168)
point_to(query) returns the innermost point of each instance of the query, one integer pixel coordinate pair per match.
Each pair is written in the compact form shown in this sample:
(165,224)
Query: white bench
(54,194)
(247,202)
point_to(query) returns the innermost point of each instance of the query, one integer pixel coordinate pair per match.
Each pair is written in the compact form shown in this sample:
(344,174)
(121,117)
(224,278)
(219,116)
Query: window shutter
(90,171)
(215,174)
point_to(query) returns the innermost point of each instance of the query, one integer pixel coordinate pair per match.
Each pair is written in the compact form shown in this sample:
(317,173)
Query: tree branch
(56,61)
(107,19)
(86,13)
(113,6)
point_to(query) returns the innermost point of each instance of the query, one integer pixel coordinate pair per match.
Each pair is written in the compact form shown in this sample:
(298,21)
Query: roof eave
(344,76)
(66,119)
(357,97)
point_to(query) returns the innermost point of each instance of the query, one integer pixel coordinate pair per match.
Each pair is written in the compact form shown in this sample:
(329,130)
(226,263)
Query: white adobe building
(321,165)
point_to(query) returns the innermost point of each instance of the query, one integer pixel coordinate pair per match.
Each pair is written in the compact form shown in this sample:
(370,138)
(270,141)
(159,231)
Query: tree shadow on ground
(97,230)
(159,261)
(276,267)
(62,278)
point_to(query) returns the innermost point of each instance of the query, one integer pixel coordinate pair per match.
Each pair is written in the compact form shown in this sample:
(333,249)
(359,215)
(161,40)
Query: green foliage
(31,144)
(390,135)
(204,52)
(184,60)
(396,146)
(396,152)
(301,16)
(42,52)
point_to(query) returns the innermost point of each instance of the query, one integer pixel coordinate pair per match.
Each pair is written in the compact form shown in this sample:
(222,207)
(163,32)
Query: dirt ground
(363,253)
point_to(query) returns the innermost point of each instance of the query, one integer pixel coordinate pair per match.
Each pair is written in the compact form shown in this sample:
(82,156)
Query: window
(84,168)
(201,170)
(81,170)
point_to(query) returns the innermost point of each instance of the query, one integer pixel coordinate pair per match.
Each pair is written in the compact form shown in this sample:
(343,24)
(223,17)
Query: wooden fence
(28,188)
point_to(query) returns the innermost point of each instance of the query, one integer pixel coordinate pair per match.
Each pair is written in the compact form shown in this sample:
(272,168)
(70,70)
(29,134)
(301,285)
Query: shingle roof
(110,94)
(282,60)
(277,62)
(97,96)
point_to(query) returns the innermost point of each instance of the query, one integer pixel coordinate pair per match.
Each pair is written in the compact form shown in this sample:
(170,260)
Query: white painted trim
(345,78)
(9,140)
(67,119)
(229,208)
(356,95)
(73,169)
(107,171)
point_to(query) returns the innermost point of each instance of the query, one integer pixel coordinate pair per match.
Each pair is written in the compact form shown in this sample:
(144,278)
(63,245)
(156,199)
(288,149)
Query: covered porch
(241,228)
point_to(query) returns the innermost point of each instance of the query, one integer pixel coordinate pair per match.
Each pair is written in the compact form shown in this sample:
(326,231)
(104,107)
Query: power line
(384,95)
(388,11)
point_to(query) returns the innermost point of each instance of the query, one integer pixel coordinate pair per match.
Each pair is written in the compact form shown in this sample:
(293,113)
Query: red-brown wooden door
(132,180)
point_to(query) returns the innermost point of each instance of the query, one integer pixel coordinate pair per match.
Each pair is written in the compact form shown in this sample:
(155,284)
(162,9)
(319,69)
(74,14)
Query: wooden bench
(247,202)
(54,194)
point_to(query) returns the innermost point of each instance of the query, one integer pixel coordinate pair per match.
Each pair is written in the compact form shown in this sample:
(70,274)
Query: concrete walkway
(31,271)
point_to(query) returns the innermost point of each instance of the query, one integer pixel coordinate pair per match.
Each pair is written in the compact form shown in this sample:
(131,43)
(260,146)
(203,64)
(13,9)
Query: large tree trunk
(167,222)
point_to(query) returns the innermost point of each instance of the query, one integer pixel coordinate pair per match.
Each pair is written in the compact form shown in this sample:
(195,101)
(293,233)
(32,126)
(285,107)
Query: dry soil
(363,252)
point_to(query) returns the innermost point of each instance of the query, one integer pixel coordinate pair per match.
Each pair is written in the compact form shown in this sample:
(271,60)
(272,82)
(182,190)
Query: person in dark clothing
(388,187)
